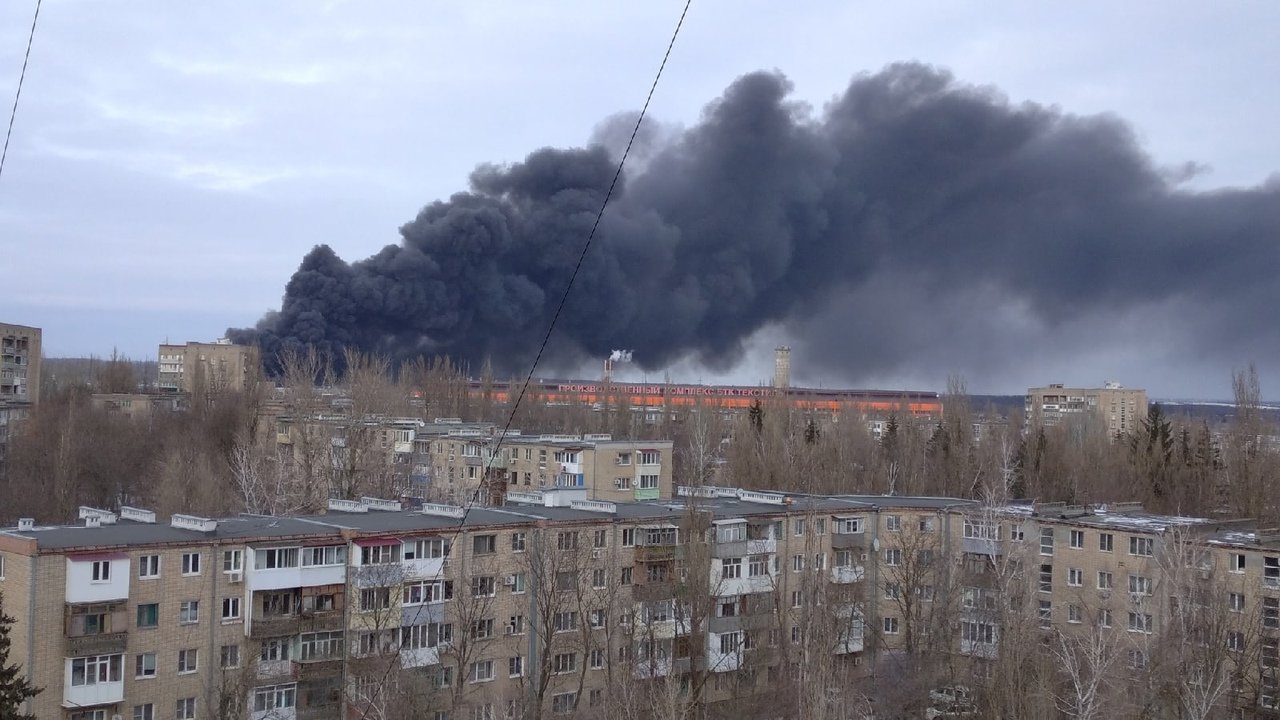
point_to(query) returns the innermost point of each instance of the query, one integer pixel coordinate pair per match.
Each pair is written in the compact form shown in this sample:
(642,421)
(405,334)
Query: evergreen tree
(1151,449)
(14,688)
(756,416)
(811,432)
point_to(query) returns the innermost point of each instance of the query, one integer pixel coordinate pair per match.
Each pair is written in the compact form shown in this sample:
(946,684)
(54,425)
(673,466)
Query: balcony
(102,644)
(980,546)
(270,626)
(658,553)
(656,590)
(720,625)
(737,548)
(846,575)
(319,668)
(762,546)
(317,621)
(276,671)
(849,541)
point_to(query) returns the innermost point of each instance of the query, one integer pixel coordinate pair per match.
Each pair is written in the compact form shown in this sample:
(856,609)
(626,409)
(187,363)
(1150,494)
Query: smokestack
(782,367)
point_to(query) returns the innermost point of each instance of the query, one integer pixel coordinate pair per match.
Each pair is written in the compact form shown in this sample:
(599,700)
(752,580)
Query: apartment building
(19,364)
(374,610)
(216,366)
(1118,409)
(473,462)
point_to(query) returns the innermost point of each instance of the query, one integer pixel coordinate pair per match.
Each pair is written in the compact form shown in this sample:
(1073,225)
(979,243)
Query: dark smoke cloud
(858,231)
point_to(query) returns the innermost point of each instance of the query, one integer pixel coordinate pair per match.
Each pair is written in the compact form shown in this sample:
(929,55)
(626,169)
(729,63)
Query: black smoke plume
(916,221)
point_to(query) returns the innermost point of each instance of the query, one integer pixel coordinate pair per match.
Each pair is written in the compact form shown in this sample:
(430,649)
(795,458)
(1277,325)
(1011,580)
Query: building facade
(1118,409)
(216,366)
(19,364)
(549,606)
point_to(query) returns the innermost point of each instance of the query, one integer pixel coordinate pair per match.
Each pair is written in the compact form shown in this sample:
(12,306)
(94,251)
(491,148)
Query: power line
(13,113)
(586,246)
(524,387)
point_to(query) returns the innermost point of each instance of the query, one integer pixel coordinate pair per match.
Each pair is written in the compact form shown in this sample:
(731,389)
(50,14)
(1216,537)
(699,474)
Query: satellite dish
(875,544)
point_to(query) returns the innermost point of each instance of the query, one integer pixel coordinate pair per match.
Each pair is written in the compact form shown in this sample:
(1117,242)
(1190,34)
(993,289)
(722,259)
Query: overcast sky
(171,164)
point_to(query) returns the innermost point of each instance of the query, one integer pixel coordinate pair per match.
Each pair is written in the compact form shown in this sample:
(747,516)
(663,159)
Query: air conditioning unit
(235,577)
(509,580)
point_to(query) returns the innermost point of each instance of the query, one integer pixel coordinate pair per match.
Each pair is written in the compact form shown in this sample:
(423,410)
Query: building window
(427,591)
(648,482)
(1104,617)
(1139,585)
(565,621)
(820,561)
(730,568)
(274,697)
(978,632)
(417,637)
(1271,571)
(1016,533)
(893,557)
(597,619)
(484,586)
(1074,614)
(1139,622)
(148,567)
(482,629)
(189,612)
(231,608)
(144,665)
(1104,580)
(625,576)
(1106,542)
(276,649)
(1075,577)
(232,561)
(981,529)
(186,709)
(101,571)
(1235,601)
(95,669)
(649,457)
(622,483)
(1137,659)
(320,645)
(1237,562)
(1046,613)
(564,663)
(481,671)
(515,666)
(380,554)
(1271,613)
(1046,578)
(230,657)
(1142,546)
(797,598)
(515,626)
(890,626)
(375,598)
(925,525)
(144,712)
(1046,541)
(484,544)
(518,541)
(893,523)
(276,558)
(563,703)
(1076,539)
(624,459)
(191,563)
(148,615)
(597,659)
(188,660)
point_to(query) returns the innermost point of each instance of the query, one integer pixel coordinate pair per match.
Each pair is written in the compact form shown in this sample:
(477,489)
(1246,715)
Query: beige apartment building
(216,366)
(19,364)
(471,462)
(750,602)
(1118,409)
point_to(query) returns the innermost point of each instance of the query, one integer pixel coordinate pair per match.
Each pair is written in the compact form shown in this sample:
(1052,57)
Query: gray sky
(171,164)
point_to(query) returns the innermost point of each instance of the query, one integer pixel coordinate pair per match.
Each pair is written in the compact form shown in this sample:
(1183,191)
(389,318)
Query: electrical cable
(21,76)
(569,285)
